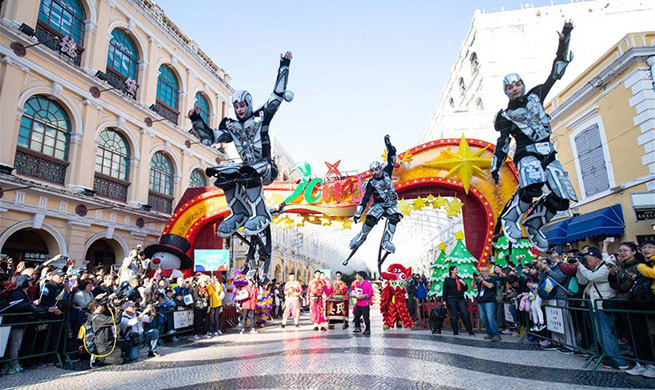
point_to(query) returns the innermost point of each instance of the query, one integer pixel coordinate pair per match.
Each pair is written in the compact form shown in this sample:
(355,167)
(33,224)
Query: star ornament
(404,207)
(439,202)
(454,207)
(463,164)
(443,246)
(418,203)
(459,235)
(333,169)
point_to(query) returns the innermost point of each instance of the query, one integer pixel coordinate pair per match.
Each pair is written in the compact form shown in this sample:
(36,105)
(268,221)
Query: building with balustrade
(93,150)
(525,41)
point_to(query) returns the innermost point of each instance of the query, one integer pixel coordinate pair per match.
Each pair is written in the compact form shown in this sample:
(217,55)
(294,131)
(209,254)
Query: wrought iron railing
(166,112)
(109,187)
(45,34)
(160,202)
(118,81)
(39,166)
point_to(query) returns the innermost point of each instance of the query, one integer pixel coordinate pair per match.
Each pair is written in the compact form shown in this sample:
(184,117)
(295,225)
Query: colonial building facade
(94,137)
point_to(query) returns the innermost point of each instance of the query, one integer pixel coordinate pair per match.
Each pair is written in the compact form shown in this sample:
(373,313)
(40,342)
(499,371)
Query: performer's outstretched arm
(391,155)
(503,126)
(207,135)
(562,60)
(280,88)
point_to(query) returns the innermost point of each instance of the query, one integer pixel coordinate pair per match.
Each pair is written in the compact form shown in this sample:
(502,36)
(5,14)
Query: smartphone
(609,239)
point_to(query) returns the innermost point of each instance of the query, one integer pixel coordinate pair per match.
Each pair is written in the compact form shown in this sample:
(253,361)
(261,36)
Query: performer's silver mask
(376,169)
(243,96)
(511,78)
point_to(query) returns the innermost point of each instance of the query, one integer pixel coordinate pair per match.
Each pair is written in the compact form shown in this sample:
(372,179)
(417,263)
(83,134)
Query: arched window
(475,64)
(122,59)
(462,85)
(167,87)
(160,197)
(44,129)
(197,179)
(161,174)
(451,103)
(203,105)
(61,18)
(479,105)
(167,94)
(113,156)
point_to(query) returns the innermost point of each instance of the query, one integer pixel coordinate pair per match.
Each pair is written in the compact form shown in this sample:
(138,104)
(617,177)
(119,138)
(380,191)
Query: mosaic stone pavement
(300,358)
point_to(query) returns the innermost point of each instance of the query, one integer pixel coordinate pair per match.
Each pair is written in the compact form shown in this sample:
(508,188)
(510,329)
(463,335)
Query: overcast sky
(361,69)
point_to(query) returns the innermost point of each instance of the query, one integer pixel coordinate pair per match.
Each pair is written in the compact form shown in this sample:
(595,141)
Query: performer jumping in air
(380,186)
(526,121)
(243,182)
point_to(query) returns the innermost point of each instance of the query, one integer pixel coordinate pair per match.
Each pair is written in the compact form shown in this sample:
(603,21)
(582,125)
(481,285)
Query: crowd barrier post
(33,328)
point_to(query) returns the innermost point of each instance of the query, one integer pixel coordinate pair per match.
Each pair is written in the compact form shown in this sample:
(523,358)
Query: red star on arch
(333,168)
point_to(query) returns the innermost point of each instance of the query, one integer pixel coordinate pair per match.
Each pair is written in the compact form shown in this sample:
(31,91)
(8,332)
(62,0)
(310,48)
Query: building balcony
(117,81)
(166,112)
(40,166)
(45,34)
(160,202)
(110,187)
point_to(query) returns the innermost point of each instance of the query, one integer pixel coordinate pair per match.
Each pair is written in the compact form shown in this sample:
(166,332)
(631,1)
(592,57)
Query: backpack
(641,291)
(499,293)
(87,335)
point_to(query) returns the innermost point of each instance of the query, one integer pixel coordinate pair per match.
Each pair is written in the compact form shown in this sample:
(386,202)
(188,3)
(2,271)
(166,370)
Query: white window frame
(595,120)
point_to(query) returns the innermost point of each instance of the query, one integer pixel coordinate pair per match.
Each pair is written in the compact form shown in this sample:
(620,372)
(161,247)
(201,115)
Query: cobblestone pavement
(301,358)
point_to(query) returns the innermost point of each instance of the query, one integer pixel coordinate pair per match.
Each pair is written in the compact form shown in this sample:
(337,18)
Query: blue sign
(211,260)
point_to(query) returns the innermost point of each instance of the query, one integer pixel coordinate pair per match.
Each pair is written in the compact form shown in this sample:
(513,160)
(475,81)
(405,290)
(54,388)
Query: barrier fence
(46,339)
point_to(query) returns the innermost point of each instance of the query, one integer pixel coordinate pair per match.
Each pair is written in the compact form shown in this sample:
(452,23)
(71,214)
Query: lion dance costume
(392,303)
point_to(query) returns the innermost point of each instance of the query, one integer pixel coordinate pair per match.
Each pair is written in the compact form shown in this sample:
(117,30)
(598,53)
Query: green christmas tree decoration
(439,273)
(465,262)
(521,252)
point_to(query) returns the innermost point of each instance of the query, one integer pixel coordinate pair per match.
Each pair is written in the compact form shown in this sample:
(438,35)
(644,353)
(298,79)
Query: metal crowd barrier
(42,336)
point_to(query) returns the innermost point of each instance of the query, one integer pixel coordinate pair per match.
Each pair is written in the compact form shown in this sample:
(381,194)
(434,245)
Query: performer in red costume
(292,292)
(315,291)
(392,301)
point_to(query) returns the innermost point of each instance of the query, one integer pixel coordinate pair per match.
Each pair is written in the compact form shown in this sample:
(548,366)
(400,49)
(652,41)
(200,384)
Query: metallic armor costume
(243,182)
(526,121)
(380,186)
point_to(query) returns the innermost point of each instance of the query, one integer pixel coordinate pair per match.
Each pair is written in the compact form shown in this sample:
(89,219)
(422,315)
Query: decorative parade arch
(442,168)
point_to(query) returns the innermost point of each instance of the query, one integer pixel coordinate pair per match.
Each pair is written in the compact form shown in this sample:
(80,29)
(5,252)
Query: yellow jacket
(648,270)
(214,295)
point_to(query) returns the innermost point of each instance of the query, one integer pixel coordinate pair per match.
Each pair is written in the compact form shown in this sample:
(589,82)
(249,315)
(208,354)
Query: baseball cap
(127,304)
(556,249)
(593,251)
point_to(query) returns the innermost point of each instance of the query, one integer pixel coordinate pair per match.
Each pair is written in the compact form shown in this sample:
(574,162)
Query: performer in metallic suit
(526,121)
(243,182)
(384,195)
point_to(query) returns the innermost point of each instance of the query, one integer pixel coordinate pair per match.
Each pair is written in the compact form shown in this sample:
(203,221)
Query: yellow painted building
(604,131)
(86,176)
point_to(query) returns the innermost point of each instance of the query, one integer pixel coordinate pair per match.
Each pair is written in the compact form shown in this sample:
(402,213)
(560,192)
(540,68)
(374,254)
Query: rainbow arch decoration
(446,167)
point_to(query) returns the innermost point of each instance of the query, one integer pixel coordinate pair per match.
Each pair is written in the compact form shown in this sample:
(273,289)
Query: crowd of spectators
(123,309)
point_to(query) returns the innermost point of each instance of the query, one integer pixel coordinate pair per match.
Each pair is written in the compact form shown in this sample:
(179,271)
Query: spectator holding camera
(106,346)
(132,330)
(594,273)
(621,275)
(487,303)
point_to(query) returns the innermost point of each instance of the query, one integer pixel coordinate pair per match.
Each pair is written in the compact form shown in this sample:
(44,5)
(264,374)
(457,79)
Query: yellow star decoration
(439,202)
(418,204)
(463,164)
(430,198)
(407,157)
(404,207)
(454,207)
(325,221)
(443,246)
(384,154)
(347,223)
(301,223)
(459,235)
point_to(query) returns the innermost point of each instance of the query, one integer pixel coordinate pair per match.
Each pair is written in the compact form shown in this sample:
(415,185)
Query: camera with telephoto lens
(577,259)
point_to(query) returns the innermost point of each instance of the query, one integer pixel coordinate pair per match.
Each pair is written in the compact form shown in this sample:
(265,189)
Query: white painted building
(525,41)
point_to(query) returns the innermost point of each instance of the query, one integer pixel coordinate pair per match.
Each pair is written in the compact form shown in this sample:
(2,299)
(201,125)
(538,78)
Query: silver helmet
(511,78)
(243,96)
(376,169)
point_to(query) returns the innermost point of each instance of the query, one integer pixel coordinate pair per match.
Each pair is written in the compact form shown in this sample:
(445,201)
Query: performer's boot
(240,211)
(360,237)
(260,217)
(536,219)
(511,219)
(389,230)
